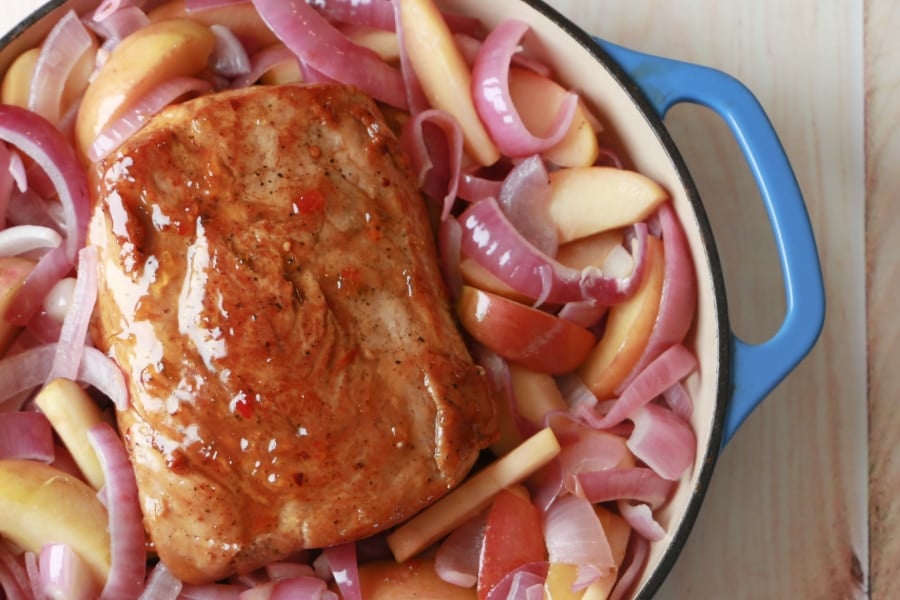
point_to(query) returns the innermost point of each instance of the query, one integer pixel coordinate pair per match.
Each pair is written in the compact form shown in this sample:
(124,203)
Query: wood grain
(786,515)
(883,268)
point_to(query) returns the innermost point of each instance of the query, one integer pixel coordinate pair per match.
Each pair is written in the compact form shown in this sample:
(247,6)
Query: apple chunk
(522,334)
(537,98)
(628,328)
(444,74)
(13,271)
(588,200)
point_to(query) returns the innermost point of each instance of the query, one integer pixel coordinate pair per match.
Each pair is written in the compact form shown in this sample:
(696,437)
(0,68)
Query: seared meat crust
(270,288)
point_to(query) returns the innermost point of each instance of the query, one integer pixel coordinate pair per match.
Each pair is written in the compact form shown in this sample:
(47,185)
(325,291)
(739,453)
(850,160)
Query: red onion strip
(490,90)
(377,14)
(415,95)
(575,536)
(229,58)
(64,574)
(211,591)
(345,570)
(17,170)
(286,570)
(161,584)
(666,370)
(126,526)
(516,585)
(261,62)
(449,239)
(420,147)
(201,5)
(50,268)
(456,560)
(15,582)
(74,330)
(26,435)
(34,576)
(525,200)
(474,189)
(639,550)
(108,7)
(663,440)
(635,483)
(678,399)
(6,181)
(114,134)
(120,23)
(20,239)
(42,142)
(678,301)
(491,240)
(640,517)
(316,42)
(61,50)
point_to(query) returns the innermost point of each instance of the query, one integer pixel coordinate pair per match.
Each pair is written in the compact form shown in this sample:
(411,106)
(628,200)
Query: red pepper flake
(310,202)
(244,408)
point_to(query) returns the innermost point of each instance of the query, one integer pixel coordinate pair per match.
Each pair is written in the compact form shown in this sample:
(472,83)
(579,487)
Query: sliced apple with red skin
(590,251)
(522,334)
(479,277)
(628,328)
(513,537)
(588,200)
(537,99)
(13,271)
(445,77)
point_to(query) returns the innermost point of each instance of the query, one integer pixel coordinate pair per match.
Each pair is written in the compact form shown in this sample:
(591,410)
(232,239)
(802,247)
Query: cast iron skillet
(635,91)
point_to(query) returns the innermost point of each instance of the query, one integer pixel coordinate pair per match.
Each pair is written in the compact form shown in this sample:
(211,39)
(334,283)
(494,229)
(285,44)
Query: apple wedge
(445,77)
(477,276)
(628,328)
(590,251)
(241,19)
(40,504)
(588,200)
(536,394)
(142,61)
(13,271)
(522,334)
(537,98)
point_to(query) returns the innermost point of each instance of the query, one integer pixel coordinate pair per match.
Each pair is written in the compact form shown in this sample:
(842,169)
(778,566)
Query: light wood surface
(787,515)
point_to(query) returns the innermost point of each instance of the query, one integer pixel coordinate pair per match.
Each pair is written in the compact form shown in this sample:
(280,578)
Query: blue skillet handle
(756,368)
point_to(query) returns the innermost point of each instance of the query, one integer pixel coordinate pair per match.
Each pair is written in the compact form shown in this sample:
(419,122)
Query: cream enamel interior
(576,67)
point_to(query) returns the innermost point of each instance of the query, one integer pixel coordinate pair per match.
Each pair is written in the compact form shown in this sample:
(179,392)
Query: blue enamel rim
(747,373)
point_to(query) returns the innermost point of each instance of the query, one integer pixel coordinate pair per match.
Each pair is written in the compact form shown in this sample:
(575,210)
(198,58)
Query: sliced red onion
(126,526)
(636,559)
(229,58)
(101,372)
(586,313)
(678,301)
(525,199)
(17,170)
(108,7)
(636,483)
(678,399)
(285,570)
(490,239)
(26,435)
(490,91)
(469,47)
(44,329)
(575,392)
(64,575)
(345,569)
(211,591)
(6,181)
(640,517)
(308,588)
(120,23)
(41,141)
(72,336)
(261,62)
(34,576)
(50,268)
(316,42)
(449,239)
(29,208)
(13,576)
(114,134)
(595,450)
(161,584)
(666,370)
(456,560)
(415,95)
(517,584)
(575,536)
(201,5)
(377,14)
(20,239)
(61,50)
(663,441)
(474,189)
(436,154)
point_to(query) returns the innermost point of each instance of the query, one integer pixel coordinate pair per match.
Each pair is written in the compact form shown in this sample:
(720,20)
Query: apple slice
(445,77)
(241,18)
(478,277)
(522,334)
(143,60)
(537,98)
(628,328)
(588,200)
(536,394)
(415,578)
(513,537)
(17,81)
(618,531)
(13,271)
(40,504)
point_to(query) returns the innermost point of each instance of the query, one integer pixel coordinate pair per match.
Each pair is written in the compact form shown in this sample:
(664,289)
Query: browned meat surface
(270,288)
